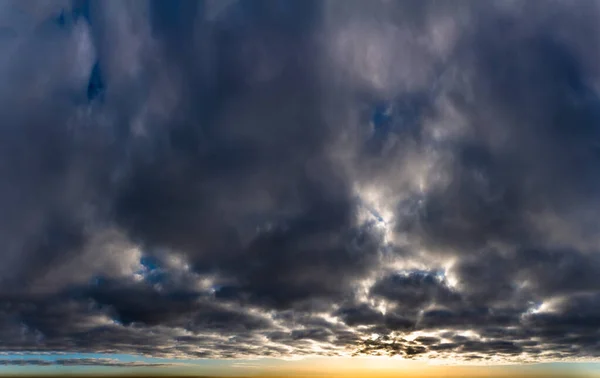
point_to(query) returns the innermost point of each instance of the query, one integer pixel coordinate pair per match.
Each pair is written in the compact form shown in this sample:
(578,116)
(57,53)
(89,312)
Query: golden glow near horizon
(384,367)
(325,367)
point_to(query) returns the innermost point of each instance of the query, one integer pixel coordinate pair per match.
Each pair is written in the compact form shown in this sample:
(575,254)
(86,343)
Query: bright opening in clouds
(286,179)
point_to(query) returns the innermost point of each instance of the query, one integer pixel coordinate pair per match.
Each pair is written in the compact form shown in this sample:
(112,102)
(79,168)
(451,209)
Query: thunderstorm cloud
(231,179)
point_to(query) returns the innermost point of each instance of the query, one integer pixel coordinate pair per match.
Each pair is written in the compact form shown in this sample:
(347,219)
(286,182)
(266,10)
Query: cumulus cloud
(189,179)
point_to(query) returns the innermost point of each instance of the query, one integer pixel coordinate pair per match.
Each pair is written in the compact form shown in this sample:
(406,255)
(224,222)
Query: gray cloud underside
(106,362)
(259,178)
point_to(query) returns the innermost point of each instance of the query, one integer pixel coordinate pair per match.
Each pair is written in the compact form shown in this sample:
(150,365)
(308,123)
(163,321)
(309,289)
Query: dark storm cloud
(414,290)
(248,152)
(513,213)
(274,178)
(530,146)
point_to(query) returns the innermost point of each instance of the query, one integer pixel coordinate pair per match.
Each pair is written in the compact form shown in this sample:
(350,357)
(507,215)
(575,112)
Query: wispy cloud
(107,362)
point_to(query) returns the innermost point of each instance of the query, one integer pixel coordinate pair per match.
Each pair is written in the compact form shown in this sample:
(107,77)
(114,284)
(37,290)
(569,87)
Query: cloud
(107,362)
(190,180)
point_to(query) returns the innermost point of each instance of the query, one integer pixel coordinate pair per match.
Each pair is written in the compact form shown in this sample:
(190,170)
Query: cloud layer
(104,362)
(202,179)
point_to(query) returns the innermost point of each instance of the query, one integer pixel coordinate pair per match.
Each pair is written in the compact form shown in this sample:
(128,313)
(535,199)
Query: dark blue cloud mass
(227,179)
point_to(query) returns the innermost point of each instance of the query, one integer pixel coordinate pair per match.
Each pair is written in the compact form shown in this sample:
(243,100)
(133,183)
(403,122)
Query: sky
(315,187)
